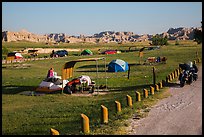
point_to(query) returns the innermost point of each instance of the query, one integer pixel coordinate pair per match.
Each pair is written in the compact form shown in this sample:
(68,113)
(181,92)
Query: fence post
(160,85)
(175,74)
(154,77)
(170,77)
(118,106)
(129,100)
(54,131)
(172,74)
(156,87)
(104,114)
(138,97)
(85,124)
(151,90)
(145,91)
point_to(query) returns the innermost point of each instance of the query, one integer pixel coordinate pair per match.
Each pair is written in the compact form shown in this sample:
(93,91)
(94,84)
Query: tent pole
(97,74)
(105,71)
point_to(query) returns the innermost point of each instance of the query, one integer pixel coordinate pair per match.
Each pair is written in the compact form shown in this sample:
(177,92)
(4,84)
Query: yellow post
(170,77)
(118,106)
(151,90)
(145,93)
(160,85)
(172,74)
(198,60)
(54,131)
(85,124)
(129,100)
(138,97)
(104,112)
(175,74)
(156,87)
(194,62)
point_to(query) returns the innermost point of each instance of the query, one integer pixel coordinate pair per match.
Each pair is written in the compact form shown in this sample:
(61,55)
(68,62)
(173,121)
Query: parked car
(59,53)
(15,55)
(109,52)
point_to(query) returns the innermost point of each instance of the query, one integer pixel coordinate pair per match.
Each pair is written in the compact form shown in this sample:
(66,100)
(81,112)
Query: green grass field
(35,115)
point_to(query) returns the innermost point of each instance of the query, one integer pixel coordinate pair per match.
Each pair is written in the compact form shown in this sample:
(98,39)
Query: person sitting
(50,73)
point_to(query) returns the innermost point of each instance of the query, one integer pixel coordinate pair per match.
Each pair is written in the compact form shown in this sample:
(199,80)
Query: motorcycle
(186,77)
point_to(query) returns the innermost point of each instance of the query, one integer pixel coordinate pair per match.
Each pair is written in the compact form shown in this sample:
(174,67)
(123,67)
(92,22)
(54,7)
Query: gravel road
(179,114)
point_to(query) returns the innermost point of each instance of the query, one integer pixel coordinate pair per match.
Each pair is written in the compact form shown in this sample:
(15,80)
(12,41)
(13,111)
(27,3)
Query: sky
(89,18)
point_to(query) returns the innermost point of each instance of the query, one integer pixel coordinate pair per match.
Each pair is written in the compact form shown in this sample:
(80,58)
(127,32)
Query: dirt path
(179,114)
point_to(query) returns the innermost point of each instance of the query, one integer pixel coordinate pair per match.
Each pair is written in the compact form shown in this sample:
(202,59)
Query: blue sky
(88,18)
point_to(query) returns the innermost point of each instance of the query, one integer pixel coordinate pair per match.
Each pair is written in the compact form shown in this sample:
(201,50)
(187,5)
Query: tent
(87,52)
(51,84)
(117,65)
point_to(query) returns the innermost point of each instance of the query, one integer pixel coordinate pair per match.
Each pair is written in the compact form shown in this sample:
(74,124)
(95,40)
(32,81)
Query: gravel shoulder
(179,114)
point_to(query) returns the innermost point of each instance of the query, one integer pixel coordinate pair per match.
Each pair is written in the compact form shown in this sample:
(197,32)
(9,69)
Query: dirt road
(179,114)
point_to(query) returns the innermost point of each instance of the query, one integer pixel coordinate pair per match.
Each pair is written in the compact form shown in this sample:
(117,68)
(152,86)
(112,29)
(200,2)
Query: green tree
(158,40)
(198,36)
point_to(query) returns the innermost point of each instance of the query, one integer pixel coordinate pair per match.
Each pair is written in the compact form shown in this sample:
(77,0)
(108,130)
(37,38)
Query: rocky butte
(180,33)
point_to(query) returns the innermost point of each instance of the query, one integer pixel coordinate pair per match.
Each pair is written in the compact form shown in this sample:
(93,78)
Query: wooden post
(118,106)
(104,114)
(156,87)
(85,124)
(175,74)
(129,100)
(172,75)
(128,71)
(151,90)
(54,131)
(145,93)
(154,77)
(160,85)
(138,96)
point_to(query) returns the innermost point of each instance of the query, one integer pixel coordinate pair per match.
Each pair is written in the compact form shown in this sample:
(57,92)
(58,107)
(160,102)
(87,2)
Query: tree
(198,36)
(158,40)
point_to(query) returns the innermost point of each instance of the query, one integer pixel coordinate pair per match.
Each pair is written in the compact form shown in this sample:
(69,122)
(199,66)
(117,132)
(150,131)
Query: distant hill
(180,33)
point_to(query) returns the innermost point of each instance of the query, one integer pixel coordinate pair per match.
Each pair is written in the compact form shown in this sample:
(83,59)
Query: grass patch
(35,115)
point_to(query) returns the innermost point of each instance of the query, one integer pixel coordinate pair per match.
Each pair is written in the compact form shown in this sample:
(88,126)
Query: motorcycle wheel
(190,80)
(195,77)
(182,83)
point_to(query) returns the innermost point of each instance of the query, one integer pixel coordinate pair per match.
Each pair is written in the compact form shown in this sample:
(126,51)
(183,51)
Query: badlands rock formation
(106,36)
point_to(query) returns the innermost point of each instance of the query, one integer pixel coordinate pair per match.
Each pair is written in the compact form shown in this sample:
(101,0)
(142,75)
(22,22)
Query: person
(50,73)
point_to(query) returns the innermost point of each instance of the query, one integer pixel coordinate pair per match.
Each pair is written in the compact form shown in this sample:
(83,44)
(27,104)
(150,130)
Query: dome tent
(118,65)
(86,52)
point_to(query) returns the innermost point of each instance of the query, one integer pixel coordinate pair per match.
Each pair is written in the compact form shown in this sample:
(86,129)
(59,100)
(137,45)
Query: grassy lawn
(35,115)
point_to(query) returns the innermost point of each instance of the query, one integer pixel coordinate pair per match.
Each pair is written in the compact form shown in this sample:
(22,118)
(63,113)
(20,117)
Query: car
(59,53)
(109,52)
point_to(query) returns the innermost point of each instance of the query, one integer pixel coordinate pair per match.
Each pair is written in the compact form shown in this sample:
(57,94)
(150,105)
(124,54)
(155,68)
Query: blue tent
(117,65)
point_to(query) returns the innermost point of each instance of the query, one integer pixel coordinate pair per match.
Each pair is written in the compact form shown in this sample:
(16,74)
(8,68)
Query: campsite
(36,114)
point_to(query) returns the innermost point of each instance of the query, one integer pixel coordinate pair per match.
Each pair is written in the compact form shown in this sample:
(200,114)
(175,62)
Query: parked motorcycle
(186,77)
(189,74)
